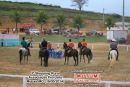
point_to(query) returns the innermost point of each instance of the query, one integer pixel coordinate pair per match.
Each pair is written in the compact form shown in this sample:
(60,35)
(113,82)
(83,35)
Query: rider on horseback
(113,46)
(25,45)
(44,43)
(84,44)
(70,46)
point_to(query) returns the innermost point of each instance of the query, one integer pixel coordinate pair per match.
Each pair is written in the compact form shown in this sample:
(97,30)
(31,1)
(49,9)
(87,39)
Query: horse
(112,56)
(43,53)
(85,51)
(23,52)
(71,53)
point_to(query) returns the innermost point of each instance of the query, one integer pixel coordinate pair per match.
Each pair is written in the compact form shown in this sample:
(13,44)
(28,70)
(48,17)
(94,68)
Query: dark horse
(23,52)
(85,51)
(71,53)
(43,53)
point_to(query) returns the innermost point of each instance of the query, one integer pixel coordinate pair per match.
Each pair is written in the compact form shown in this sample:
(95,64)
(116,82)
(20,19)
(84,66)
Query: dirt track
(9,64)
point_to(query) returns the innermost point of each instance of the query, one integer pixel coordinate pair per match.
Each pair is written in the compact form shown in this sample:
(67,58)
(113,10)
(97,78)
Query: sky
(110,6)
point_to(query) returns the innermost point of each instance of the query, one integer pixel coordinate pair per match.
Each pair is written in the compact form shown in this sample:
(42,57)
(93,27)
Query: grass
(61,38)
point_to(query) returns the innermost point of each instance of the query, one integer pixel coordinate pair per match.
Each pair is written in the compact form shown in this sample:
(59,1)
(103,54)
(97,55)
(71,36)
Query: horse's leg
(80,57)
(77,59)
(41,61)
(46,61)
(27,58)
(84,58)
(24,58)
(74,60)
(88,58)
(65,60)
(21,58)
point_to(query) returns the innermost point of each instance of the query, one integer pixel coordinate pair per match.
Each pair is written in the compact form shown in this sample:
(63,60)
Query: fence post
(107,84)
(24,82)
(92,46)
(127,48)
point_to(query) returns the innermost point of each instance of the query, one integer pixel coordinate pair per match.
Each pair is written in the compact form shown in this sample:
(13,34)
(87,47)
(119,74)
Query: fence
(92,45)
(9,40)
(24,82)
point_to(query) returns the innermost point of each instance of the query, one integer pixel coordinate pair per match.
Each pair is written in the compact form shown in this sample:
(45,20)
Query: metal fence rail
(107,83)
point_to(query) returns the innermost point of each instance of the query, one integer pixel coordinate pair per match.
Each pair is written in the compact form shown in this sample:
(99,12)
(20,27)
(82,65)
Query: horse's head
(79,45)
(40,45)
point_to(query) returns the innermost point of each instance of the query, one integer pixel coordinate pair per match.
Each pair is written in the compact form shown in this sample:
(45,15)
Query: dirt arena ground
(9,64)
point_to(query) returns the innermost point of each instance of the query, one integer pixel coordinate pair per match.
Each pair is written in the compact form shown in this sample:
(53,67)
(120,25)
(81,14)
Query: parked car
(122,41)
(55,31)
(32,31)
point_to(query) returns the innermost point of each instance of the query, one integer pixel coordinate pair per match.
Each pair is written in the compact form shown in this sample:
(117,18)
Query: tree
(0,23)
(16,18)
(79,3)
(61,21)
(42,18)
(109,22)
(78,22)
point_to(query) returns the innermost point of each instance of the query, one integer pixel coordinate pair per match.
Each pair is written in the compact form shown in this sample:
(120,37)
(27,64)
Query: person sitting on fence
(25,45)
(58,49)
(30,41)
(70,46)
(84,44)
(44,43)
(114,46)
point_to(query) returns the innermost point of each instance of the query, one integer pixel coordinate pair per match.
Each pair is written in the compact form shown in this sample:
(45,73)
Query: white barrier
(107,83)
(91,45)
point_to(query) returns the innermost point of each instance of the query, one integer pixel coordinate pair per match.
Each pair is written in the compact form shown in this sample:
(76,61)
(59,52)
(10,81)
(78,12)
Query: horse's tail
(20,55)
(91,54)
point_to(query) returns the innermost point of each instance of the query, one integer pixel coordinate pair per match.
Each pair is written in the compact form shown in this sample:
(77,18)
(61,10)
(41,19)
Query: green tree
(17,19)
(78,22)
(0,23)
(61,21)
(79,3)
(42,18)
(109,22)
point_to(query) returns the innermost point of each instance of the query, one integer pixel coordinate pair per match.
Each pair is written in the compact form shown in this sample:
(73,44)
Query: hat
(113,40)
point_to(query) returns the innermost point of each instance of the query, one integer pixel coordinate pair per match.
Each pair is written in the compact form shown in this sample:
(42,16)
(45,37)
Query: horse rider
(84,44)
(114,46)
(44,43)
(25,45)
(70,45)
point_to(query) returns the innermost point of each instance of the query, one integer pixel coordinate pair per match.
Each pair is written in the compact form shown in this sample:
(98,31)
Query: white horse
(112,56)
(23,53)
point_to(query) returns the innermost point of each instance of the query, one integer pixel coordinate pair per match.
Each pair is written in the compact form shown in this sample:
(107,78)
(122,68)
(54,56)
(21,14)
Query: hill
(29,11)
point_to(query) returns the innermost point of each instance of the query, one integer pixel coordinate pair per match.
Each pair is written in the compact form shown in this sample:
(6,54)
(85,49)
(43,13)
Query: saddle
(83,48)
(69,50)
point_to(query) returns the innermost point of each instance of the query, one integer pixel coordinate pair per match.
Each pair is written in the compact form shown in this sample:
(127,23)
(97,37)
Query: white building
(117,33)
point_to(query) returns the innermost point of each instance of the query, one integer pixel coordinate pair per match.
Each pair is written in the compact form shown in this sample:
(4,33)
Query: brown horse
(73,53)
(85,51)
(43,54)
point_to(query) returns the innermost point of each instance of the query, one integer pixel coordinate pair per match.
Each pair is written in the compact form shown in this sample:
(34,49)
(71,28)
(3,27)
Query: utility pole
(103,16)
(123,20)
